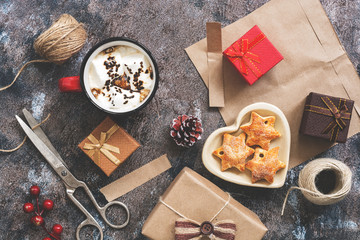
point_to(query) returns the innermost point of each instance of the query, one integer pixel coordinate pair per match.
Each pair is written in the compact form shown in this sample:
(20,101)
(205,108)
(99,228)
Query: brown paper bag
(199,199)
(314,61)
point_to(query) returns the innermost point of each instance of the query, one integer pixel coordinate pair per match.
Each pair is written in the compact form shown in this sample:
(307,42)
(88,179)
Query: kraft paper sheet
(314,61)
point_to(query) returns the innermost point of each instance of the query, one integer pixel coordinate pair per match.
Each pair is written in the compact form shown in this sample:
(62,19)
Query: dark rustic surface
(166,28)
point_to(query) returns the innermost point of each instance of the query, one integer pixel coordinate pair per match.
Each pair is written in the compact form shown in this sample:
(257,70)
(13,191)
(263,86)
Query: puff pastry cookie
(260,131)
(233,152)
(265,164)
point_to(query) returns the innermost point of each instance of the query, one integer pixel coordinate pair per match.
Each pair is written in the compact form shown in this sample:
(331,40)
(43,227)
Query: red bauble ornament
(48,204)
(47,238)
(34,191)
(37,220)
(57,229)
(28,207)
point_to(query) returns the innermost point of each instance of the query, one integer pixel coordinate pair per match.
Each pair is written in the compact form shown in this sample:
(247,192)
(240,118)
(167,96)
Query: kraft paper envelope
(314,61)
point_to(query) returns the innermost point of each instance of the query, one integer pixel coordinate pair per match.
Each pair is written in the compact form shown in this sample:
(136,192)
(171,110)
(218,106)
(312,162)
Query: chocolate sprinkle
(130,97)
(96,92)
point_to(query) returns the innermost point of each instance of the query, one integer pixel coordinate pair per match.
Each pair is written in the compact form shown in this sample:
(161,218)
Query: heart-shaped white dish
(214,141)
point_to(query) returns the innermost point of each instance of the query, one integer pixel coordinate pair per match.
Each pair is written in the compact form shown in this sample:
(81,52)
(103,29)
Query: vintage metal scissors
(43,144)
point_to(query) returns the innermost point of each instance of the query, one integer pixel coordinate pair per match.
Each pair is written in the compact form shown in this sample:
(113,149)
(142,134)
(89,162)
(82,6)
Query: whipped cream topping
(120,78)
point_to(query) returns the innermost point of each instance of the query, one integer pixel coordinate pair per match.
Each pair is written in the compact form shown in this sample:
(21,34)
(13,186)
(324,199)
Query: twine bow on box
(100,146)
(339,114)
(241,56)
(188,229)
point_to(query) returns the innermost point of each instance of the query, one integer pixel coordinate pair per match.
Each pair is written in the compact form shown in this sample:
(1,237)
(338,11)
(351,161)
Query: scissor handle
(70,189)
(89,218)
(102,211)
(89,222)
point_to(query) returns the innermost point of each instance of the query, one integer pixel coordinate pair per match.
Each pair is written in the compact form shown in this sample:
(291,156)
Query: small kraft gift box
(253,55)
(326,117)
(193,207)
(108,146)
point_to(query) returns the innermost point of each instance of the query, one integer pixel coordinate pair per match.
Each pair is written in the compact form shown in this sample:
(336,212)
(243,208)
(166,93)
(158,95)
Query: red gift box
(253,55)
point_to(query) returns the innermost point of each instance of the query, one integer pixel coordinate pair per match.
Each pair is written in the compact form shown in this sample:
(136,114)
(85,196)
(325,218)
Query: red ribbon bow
(241,53)
(188,230)
(339,114)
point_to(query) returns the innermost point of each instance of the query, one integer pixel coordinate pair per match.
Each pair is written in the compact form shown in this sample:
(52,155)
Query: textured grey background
(165,28)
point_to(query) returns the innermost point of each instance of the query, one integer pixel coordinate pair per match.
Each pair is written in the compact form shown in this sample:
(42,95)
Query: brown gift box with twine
(199,200)
(108,146)
(326,117)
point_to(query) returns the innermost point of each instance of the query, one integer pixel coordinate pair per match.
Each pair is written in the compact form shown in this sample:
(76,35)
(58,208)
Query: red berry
(48,204)
(37,220)
(34,190)
(47,238)
(57,229)
(28,207)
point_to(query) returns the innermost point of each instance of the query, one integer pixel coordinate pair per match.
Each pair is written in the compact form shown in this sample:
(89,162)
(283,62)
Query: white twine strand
(189,219)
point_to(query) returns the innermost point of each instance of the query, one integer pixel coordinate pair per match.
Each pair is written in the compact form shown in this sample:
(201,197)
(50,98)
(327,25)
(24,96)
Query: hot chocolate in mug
(118,75)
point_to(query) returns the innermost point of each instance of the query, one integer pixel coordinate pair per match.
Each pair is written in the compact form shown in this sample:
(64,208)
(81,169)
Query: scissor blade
(40,133)
(40,145)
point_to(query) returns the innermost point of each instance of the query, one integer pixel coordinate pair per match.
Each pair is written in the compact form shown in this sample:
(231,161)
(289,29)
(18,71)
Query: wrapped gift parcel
(253,55)
(326,117)
(207,210)
(108,146)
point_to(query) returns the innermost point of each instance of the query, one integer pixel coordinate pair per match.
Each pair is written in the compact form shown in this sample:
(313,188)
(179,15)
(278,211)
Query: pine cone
(186,130)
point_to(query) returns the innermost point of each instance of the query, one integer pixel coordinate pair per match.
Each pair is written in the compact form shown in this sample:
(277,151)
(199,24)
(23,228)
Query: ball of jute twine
(307,182)
(64,38)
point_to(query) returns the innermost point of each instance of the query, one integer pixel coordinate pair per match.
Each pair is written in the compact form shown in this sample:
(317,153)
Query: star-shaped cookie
(260,131)
(265,164)
(233,152)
